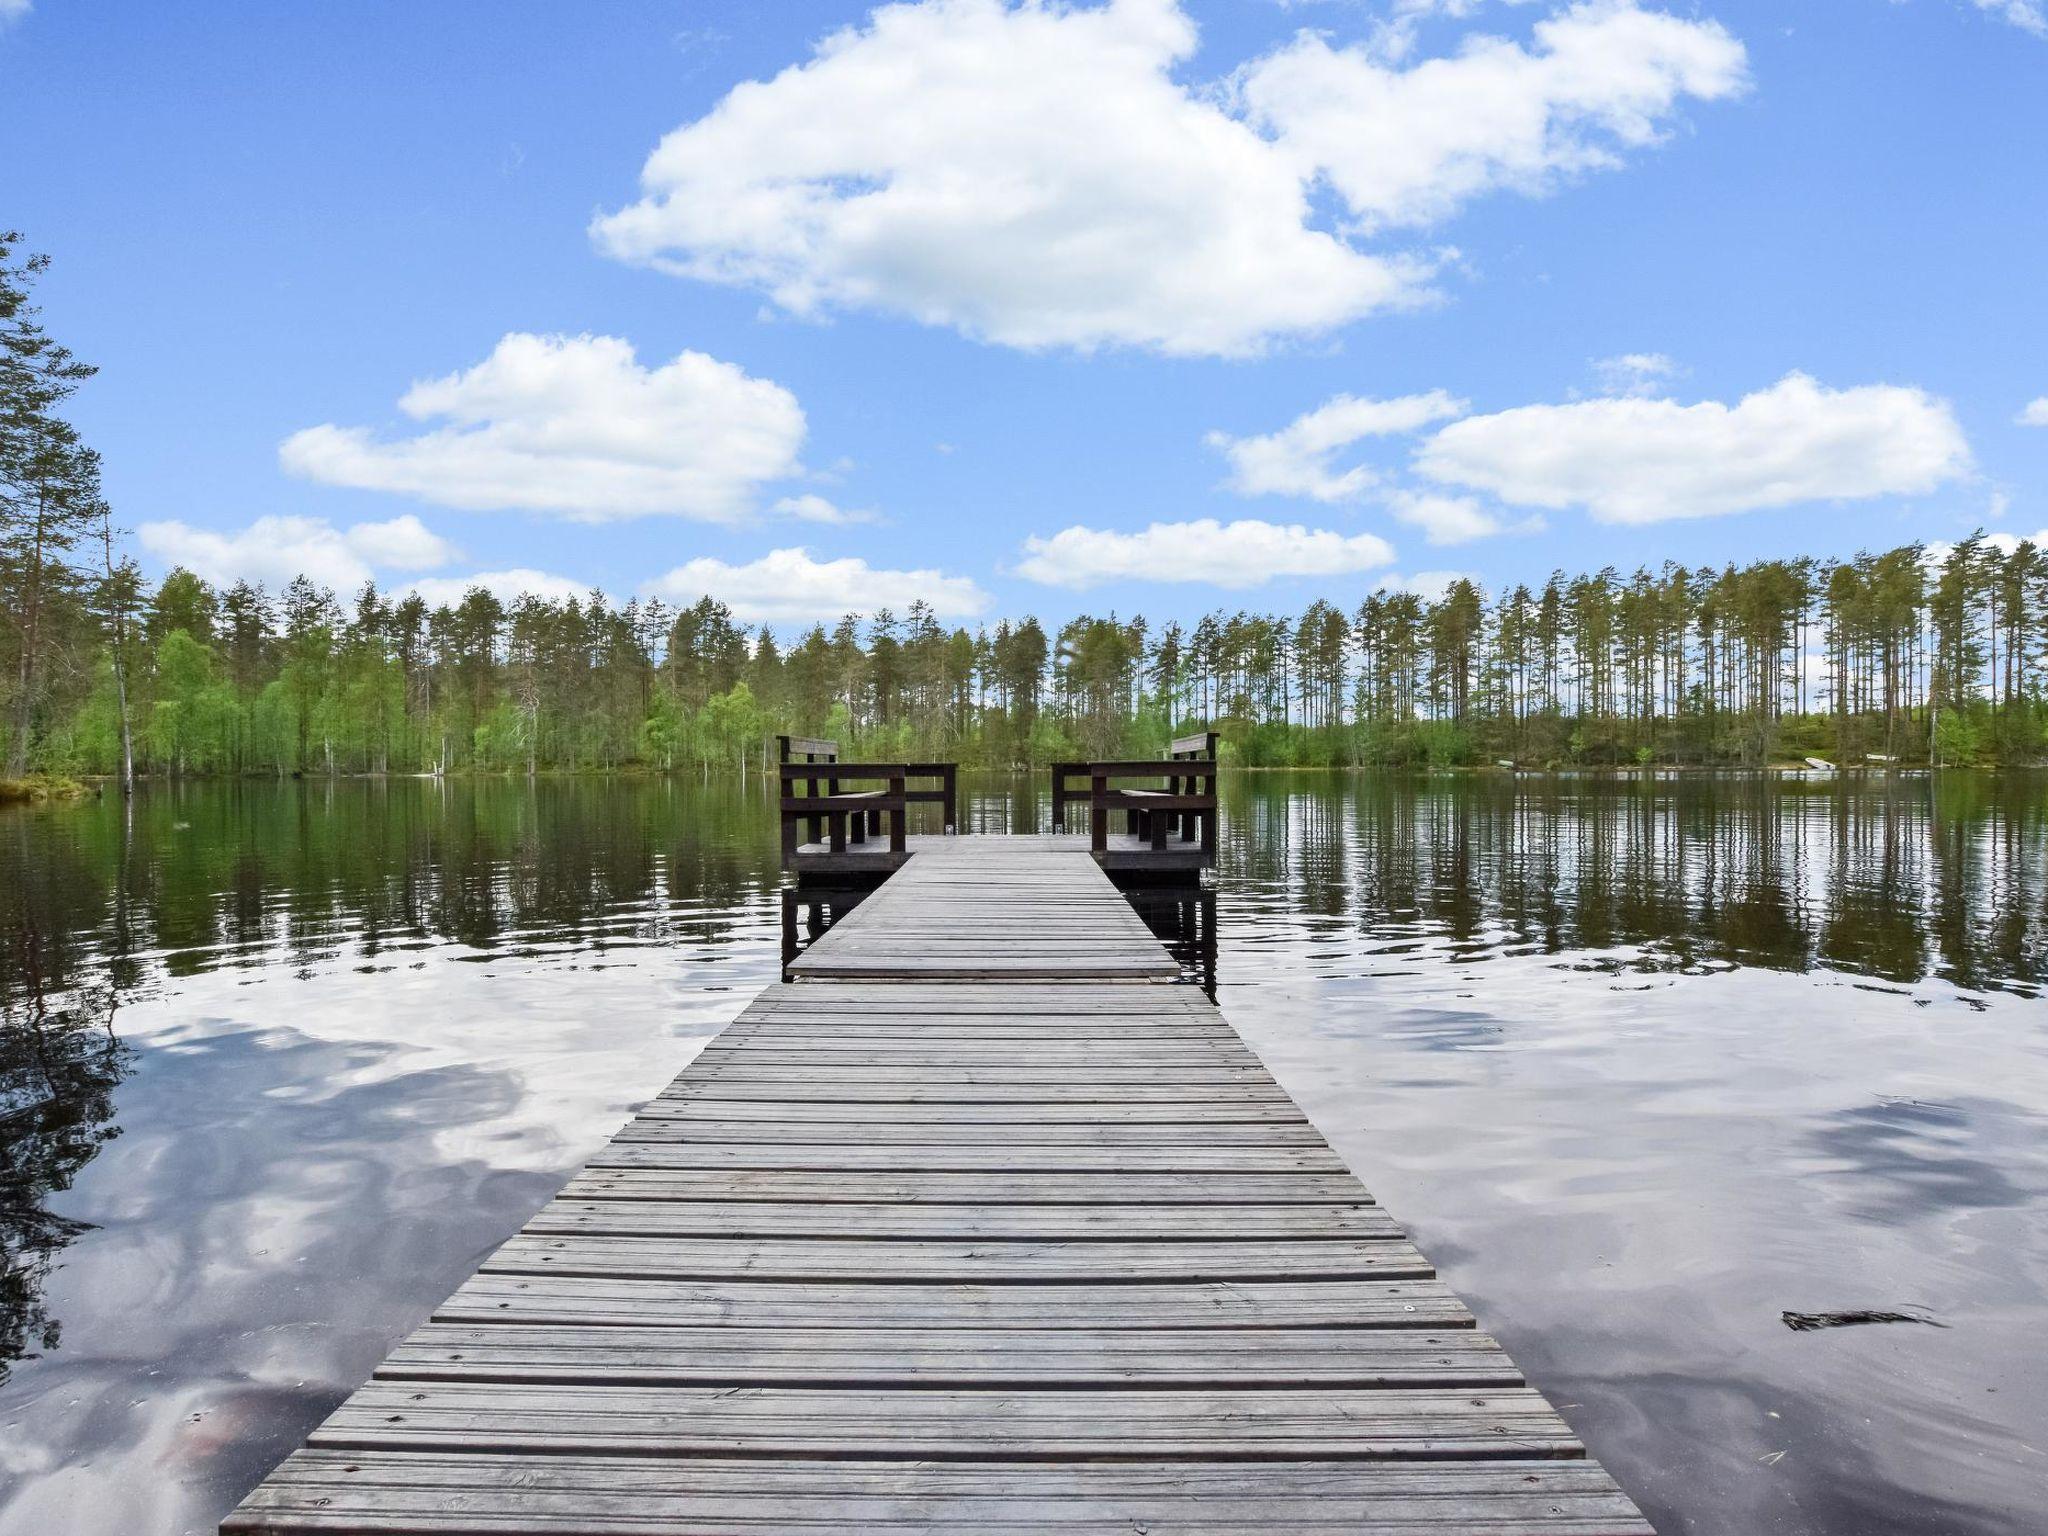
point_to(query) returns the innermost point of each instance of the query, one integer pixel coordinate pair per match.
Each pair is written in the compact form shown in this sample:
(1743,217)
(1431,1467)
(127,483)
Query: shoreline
(49,788)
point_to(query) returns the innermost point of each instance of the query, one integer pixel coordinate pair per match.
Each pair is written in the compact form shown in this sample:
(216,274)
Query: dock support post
(811,789)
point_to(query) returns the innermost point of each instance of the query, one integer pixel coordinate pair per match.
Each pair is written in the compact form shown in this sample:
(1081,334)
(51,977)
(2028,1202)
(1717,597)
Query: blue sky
(982,295)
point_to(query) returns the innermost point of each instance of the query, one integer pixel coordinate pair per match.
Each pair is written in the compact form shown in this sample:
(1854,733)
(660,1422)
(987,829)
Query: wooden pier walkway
(995,909)
(974,1225)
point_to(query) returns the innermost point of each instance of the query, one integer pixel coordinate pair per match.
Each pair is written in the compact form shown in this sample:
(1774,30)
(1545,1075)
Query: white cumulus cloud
(1636,373)
(1298,460)
(574,425)
(1452,519)
(789,586)
(812,508)
(272,550)
(507,586)
(402,544)
(1245,553)
(1634,460)
(2027,15)
(2035,413)
(1408,146)
(1430,586)
(1038,175)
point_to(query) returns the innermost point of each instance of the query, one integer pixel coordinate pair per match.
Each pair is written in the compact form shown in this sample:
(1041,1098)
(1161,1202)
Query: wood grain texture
(438,1494)
(1177,1306)
(988,1357)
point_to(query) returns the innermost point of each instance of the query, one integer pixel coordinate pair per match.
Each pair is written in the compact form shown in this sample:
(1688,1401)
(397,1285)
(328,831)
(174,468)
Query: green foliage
(1390,744)
(1147,732)
(665,733)
(1049,742)
(731,725)
(1679,667)
(194,721)
(501,738)
(1444,744)
(1959,740)
(41,786)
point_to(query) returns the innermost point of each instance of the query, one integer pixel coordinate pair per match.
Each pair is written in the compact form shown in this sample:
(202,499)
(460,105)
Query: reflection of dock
(976,1223)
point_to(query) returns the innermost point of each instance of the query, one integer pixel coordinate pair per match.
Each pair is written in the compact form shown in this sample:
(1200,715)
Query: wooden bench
(839,817)
(1187,804)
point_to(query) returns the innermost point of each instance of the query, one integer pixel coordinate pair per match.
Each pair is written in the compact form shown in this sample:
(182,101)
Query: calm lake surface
(1641,1065)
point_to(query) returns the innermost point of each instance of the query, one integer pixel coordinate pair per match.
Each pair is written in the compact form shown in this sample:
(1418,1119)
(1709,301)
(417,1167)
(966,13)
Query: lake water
(1641,1065)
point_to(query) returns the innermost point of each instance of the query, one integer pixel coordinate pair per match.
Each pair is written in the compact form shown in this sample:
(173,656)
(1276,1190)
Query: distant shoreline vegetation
(41,787)
(1911,658)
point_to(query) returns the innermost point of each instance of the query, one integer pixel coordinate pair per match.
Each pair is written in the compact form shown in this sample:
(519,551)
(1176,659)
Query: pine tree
(49,485)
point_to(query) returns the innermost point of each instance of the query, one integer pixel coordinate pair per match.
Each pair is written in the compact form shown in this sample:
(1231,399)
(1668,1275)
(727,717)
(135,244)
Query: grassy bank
(43,786)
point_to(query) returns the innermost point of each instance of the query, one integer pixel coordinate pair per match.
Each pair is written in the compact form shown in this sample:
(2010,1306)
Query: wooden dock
(991,909)
(976,1224)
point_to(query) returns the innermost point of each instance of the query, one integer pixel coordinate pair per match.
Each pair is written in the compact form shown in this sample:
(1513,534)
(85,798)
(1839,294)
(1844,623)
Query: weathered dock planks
(971,1226)
(990,909)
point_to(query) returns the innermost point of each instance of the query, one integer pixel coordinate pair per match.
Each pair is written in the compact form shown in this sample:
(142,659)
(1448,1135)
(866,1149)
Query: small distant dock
(977,1223)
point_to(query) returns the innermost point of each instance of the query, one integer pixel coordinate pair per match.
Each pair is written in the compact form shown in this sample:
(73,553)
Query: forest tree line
(1897,656)
(1913,654)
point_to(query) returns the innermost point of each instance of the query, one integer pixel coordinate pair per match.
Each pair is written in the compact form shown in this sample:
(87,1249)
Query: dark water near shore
(1641,1065)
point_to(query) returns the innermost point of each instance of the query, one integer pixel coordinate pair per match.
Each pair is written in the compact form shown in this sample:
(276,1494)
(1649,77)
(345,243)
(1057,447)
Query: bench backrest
(812,748)
(1202,745)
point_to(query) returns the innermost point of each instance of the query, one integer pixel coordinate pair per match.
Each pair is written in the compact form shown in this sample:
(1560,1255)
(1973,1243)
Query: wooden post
(1098,814)
(811,789)
(949,783)
(898,842)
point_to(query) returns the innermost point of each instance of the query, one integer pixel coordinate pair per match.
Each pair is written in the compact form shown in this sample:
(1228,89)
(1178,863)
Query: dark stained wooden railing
(812,800)
(847,816)
(1186,806)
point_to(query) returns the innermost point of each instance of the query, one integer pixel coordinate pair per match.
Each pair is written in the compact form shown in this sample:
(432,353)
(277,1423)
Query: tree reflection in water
(1891,877)
(59,1066)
